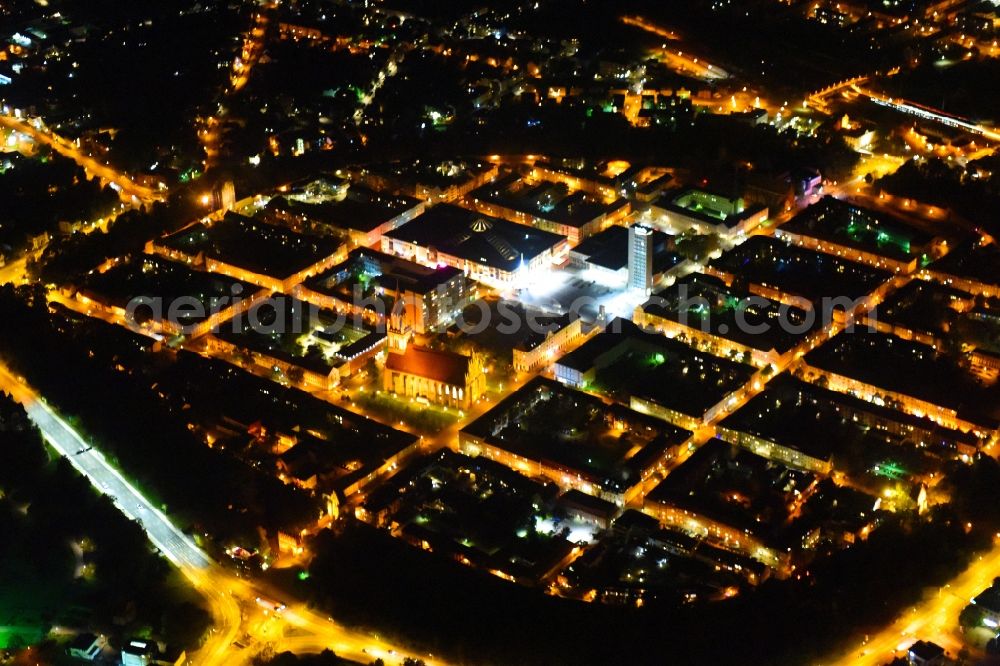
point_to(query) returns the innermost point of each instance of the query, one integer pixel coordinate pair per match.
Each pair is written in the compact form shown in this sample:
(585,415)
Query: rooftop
(608,444)
(474,509)
(729,484)
(546,200)
(813,275)
(630,362)
(825,424)
(386,270)
(360,209)
(972,261)
(922,306)
(153,277)
(989,599)
(551,324)
(220,397)
(860,228)
(609,249)
(296,332)
(709,206)
(705,303)
(909,368)
(252,245)
(754,495)
(477,238)
(428,173)
(438,365)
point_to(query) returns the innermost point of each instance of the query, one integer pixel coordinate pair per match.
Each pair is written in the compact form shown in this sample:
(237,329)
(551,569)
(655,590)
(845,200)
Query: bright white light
(579,531)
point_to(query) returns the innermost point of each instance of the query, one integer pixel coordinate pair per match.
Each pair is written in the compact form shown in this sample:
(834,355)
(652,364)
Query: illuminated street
(532,332)
(129,189)
(231,599)
(935,618)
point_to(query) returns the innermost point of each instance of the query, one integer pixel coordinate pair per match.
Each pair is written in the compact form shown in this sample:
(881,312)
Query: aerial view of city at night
(499,332)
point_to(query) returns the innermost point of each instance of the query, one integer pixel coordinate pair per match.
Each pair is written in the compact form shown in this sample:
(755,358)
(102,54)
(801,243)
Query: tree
(185,624)
(295,375)
(971,616)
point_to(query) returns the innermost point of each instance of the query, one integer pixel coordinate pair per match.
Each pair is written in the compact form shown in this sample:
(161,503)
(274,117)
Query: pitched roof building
(441,377)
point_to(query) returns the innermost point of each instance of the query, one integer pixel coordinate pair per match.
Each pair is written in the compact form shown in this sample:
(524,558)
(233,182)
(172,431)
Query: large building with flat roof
(485,248)
(607,254)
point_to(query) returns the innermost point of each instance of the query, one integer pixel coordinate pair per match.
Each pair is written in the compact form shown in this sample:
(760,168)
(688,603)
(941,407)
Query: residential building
(542,348)
(925,653)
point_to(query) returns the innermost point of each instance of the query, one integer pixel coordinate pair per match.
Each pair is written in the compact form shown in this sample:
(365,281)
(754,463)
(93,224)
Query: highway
(232,600)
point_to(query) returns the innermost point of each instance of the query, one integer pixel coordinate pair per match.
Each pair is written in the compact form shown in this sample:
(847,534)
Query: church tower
(475,378)
(398,333)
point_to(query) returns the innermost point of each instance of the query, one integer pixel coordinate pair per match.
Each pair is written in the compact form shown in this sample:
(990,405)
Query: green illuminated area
(865,232)
(846,224)
(723,304)
(707,203)
(16,636)
(889,470)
